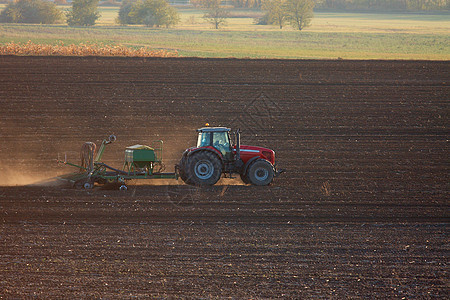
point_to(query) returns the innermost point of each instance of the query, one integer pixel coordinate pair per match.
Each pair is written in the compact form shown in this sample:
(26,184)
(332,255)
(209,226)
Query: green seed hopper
(140,157)
(141,162)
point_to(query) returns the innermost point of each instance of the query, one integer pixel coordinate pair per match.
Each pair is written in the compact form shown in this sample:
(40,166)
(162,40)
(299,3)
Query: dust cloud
(14,177)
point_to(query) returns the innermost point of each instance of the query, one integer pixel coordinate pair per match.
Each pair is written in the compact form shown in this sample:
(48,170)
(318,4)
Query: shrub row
(31,48)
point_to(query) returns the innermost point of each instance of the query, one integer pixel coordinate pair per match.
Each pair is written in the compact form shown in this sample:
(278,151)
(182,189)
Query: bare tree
(215,14)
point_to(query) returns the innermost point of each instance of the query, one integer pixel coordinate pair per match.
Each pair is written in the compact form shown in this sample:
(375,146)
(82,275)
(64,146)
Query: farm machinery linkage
(218,152)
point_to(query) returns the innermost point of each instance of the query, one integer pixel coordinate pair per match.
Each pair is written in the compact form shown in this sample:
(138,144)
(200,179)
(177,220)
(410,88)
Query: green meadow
(330,36)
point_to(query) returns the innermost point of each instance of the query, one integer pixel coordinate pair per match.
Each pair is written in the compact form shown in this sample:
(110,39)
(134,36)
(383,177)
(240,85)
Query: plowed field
(361,212)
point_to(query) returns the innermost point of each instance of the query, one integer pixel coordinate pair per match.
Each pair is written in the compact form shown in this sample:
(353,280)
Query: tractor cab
(218,138)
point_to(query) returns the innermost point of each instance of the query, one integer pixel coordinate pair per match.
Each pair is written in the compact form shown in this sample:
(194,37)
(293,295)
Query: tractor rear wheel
(203,168)
(260,172)
(182,170)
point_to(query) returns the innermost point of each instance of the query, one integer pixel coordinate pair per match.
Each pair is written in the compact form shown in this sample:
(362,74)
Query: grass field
(331,35)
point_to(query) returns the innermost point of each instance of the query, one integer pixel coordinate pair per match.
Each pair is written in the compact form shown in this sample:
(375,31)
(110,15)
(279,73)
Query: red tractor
(215,154)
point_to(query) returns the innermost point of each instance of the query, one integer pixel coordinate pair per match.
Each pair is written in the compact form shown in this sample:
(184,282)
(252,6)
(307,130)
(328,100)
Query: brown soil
(361,212)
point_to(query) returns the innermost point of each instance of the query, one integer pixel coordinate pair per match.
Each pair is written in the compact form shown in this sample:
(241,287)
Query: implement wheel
(83,184)
(203,168)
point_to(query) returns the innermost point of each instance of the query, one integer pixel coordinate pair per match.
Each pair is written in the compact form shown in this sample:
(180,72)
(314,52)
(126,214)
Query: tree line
(381,5)
(375,5)
(151,13)
(384,5)
(158,13)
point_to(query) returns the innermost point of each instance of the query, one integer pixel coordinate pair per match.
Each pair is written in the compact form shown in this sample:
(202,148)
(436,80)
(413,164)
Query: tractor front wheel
(260,172)
(203,168)
(244,178)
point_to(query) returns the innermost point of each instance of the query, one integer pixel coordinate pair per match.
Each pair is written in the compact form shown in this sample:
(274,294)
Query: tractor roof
(213,129)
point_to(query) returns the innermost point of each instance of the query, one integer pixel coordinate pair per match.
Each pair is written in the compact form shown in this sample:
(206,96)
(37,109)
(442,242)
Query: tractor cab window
(204,139)
(221,142)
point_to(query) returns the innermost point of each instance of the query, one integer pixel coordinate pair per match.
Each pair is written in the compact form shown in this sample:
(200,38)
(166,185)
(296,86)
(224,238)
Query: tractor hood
(248,152)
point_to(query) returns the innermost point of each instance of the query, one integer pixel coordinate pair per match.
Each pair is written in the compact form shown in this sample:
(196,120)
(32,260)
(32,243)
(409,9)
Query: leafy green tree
(31,11)
(153,13)
(300,13)
(215,14)
(83,13)
(276,12)
(124,13)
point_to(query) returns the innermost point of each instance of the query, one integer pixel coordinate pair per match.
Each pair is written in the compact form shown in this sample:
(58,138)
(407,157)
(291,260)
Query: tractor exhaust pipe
(238,144)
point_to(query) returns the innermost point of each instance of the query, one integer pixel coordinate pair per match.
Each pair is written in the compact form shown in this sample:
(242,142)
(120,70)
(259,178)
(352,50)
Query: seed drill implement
(141,162)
